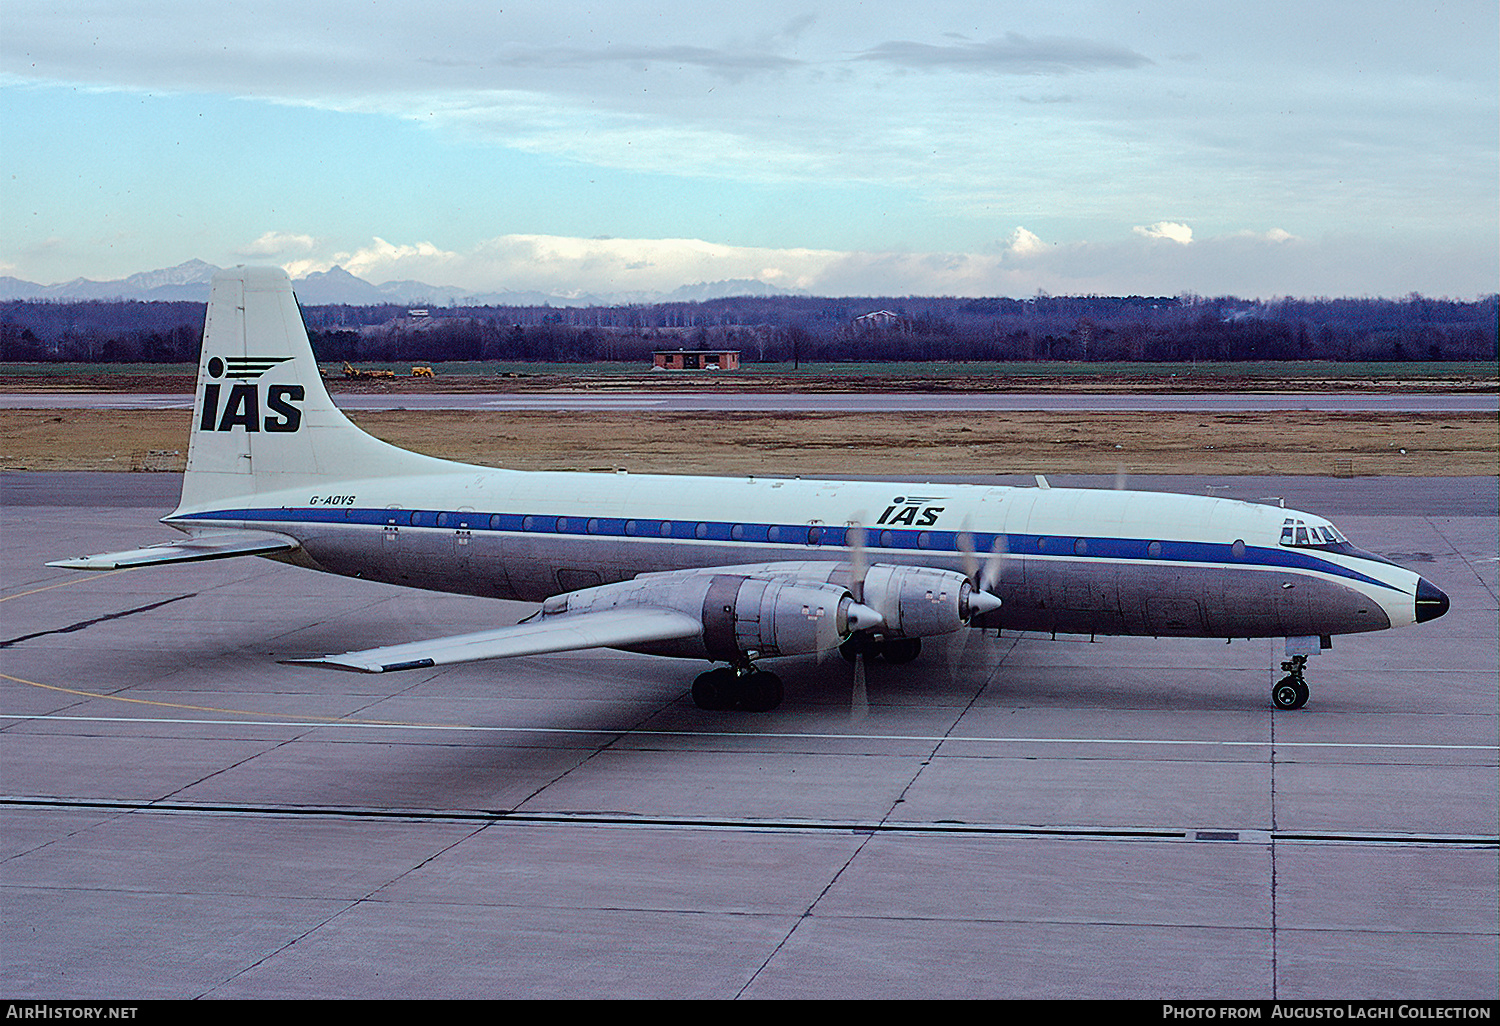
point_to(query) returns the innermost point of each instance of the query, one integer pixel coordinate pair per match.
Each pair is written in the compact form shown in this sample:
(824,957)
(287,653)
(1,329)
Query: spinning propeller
(859,566)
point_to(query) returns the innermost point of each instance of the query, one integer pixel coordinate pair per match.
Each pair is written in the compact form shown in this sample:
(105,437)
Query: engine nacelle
(917,601)
(741,616)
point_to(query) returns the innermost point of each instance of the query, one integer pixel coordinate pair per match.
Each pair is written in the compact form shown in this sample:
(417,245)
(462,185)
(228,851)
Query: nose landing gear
(1291,691)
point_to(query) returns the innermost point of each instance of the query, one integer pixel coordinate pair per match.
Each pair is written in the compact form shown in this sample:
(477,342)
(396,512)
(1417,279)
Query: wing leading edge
(209,545)
(613,628)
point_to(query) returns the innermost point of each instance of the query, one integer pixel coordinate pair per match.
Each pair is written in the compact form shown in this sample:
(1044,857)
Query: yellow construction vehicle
(354,373)
(422,372)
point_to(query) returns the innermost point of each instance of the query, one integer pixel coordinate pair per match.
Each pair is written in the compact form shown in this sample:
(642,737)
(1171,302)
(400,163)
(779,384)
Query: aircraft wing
(611,628)
(209,545)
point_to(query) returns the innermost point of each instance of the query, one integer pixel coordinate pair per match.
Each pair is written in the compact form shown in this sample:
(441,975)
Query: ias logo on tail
(243,368)
(242,406)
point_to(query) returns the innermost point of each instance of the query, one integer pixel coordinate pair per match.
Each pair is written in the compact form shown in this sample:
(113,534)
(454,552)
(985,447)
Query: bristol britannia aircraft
(733,571)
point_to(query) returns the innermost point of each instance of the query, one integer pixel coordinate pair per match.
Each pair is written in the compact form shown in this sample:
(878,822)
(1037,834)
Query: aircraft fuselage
(1070,560)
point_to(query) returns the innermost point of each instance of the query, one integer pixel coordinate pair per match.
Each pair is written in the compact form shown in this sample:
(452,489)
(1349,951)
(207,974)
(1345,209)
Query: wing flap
(612,628)
(209,545)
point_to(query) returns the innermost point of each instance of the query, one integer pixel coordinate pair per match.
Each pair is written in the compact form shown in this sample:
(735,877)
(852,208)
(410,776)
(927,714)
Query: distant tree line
(809,329)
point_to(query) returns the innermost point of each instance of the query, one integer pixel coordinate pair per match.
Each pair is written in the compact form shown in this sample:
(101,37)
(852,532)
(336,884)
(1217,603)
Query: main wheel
(715,689)
(760,692)
(900,651)
(1289,693)
(859,645)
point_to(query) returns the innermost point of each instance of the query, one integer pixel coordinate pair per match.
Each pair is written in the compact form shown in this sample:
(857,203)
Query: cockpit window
(1298,533)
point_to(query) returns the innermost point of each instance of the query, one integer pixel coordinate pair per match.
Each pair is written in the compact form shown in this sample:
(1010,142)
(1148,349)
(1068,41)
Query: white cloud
(1384,131)
(277,244)
(1024,243)
(1169,230)
(1245,263)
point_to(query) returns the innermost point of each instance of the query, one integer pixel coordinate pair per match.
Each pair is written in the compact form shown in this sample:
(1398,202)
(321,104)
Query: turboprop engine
(918,602)
(742,616)
(784,609)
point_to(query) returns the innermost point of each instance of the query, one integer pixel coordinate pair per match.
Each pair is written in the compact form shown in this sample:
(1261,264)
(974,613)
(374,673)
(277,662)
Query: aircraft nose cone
(1432,601)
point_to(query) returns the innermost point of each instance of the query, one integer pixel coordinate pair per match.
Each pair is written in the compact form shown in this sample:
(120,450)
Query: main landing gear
(737,687)
(1291,691)
(897,651)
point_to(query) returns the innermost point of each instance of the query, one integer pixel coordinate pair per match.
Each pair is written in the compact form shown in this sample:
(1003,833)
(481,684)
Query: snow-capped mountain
(190,282)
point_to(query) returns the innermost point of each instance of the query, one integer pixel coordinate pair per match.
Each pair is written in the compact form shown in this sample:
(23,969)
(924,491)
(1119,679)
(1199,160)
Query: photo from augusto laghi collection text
(1260,1010)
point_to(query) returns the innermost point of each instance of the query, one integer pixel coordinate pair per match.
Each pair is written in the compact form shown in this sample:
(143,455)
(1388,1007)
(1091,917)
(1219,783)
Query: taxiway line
(769,734)
(1252,835)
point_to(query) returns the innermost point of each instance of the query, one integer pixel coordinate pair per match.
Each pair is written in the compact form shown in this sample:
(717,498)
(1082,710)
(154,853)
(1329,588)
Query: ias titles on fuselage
(913,511)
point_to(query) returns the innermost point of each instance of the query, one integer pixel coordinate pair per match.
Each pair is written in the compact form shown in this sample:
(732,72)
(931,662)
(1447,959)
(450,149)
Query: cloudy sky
(999,148)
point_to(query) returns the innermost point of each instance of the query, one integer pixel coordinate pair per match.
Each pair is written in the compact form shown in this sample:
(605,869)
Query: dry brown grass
(830,444)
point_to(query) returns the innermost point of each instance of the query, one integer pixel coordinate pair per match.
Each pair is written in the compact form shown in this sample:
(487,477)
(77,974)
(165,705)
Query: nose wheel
(1291,691)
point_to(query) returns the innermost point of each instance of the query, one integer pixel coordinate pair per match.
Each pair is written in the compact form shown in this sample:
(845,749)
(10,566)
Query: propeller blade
(989,576)
(957,648)
(859,701)
(965,541)
(854,538)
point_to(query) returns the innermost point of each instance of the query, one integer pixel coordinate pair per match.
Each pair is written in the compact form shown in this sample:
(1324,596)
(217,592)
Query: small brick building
(696,359)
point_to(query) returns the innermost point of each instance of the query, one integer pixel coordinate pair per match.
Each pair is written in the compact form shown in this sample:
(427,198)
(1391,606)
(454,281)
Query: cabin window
(737,532)
(774,534)
(1237,550)
(630,528)
(1081,547)
(887,539)
(924,540)
(593,525)
(528,523)
(1154,550)
(666,528)
(814,535)
(701,531)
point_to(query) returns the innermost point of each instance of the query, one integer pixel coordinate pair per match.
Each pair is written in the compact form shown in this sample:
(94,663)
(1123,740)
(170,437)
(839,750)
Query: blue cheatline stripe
(903,539)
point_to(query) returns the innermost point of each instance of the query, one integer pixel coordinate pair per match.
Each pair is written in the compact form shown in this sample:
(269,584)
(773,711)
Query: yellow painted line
(64,584)
(208,708)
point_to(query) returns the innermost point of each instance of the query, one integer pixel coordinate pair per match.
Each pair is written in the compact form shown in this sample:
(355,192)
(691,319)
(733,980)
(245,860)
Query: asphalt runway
(1014,817)
(827,402)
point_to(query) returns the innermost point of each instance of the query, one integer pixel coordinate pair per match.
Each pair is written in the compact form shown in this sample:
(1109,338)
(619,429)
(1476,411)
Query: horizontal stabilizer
(209,545)
(613,628)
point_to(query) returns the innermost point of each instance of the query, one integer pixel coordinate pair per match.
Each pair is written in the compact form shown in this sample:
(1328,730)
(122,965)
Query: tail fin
(262,420)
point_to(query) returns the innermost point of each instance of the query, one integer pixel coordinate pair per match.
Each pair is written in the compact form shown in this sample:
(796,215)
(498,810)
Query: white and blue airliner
(731,570)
